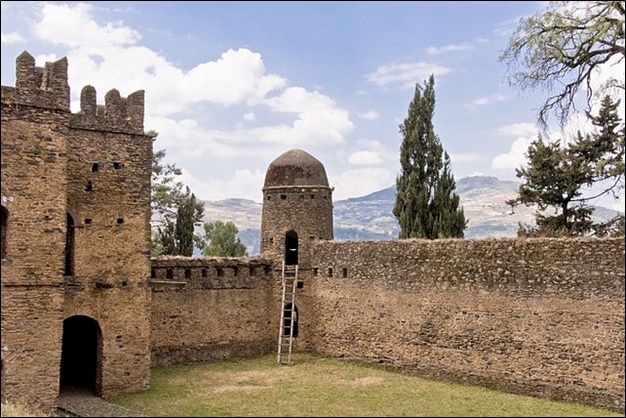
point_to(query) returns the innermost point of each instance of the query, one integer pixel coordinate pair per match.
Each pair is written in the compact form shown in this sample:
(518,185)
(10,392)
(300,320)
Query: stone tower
(297,208)
(75,250)
(35,119)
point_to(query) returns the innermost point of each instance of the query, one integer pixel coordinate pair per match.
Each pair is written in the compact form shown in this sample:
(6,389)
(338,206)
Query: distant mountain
(370,217)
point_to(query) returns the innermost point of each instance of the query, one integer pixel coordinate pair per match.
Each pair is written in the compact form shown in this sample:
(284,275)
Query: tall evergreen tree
(426,203)
(189,213)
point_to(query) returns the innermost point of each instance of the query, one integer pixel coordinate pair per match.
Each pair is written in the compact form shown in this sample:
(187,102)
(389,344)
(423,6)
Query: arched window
(4,214)
(69,246)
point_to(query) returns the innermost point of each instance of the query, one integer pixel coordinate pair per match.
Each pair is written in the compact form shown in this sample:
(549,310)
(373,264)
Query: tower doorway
(81,351)
(291,248)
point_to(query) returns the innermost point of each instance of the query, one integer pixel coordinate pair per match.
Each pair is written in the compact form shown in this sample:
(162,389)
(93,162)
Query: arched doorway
(80,355)
(287,319)
(291,248)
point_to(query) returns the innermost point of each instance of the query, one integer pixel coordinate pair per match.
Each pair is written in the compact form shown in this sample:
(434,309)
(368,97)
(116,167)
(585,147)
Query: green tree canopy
(426,203)
(176,235)
(166,188)
(557,174)
(174,208)
(560,49)
(220,239)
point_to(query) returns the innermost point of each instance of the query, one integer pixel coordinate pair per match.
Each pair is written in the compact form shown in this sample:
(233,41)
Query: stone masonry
(76,239)
(84,305)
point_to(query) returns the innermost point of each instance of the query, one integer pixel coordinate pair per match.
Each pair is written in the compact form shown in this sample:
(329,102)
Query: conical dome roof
(296,168)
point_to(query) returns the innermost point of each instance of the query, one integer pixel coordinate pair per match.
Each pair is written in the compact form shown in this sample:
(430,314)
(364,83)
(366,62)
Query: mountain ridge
(370,217)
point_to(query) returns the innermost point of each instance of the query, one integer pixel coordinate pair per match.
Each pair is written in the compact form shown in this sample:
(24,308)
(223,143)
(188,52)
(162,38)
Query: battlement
(187,273)
(118,114)
(44,87)
(47,88)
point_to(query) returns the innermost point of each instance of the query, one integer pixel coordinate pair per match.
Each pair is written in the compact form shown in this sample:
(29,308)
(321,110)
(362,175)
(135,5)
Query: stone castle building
(84,305)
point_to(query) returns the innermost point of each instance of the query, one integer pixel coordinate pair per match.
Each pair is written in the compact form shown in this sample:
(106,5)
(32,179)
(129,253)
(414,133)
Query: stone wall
(34,125)
(542,317)
(31,343)
(109,169)
(213,308)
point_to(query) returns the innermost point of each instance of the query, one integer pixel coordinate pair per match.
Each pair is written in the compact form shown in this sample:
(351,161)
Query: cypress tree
(177,236)
(185,222)
(426,203)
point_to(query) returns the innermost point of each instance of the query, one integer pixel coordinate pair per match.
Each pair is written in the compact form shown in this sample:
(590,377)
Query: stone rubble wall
(534,316)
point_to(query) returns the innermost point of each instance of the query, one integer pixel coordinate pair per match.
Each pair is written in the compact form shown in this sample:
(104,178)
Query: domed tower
(297,208)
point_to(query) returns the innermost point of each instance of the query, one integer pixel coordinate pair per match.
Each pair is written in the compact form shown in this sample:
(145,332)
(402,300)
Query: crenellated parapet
(43,87)
(188,273)
(118,114)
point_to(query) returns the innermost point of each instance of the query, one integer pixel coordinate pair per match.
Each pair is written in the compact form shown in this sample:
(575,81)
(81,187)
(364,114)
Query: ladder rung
(287,313)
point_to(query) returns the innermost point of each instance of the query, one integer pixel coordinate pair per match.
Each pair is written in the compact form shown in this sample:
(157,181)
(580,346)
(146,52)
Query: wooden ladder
(287,313)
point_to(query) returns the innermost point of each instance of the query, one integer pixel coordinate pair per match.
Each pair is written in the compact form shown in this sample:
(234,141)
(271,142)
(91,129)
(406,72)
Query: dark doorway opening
(290,310)
(291,248)
(80,355)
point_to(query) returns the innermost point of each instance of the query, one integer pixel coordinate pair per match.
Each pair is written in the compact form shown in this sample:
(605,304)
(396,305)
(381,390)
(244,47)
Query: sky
(230,86)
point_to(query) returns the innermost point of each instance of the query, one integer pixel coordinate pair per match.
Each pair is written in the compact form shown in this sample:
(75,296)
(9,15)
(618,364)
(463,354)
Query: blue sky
(232,85)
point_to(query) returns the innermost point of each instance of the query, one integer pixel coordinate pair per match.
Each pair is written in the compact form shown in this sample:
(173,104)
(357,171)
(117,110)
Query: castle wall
(33,169)
(536,316)
(213,308)
(109,169)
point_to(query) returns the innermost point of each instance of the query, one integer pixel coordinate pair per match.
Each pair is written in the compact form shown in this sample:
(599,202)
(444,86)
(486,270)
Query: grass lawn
(320,386)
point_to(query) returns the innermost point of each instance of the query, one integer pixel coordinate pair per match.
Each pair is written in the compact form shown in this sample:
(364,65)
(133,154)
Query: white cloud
(449,48)
(73,26)
(238,76)
(514,158)
(364,158)
(298,99)
(482,101)
(40,60)
(109,56)
(519,129)
(369,115)
(465,157)
(11,38)
(406,74)
(318,127)
(101,54)
(244,184)
(361,182)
